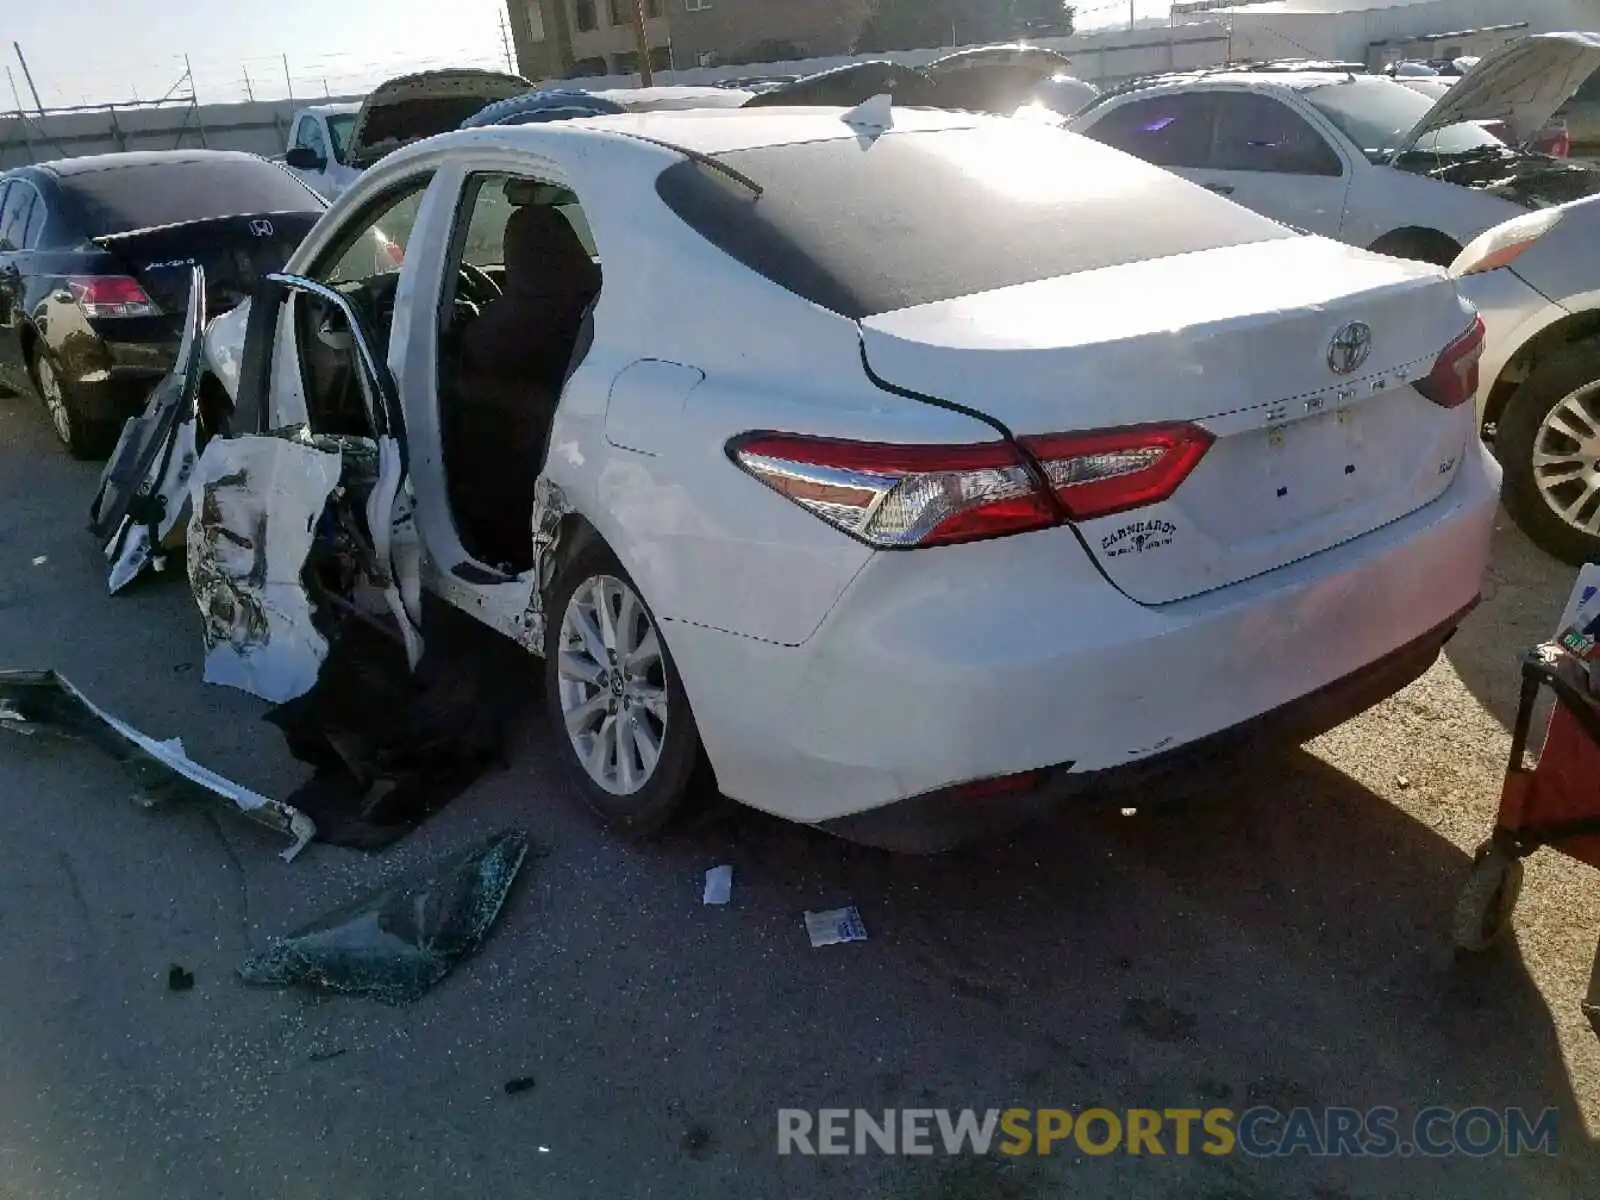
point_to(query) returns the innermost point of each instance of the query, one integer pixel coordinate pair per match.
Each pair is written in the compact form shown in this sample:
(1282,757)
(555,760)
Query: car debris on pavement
(396,942)
(835,926)
(45,700)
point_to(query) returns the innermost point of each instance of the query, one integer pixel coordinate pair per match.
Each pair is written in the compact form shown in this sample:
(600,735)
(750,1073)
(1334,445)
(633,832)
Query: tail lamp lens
(1454,378)
(902,496)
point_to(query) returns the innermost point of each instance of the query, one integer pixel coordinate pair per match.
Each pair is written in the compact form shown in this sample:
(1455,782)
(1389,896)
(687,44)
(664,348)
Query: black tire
(667,792)
(1420,245)
(1558,377)
(86,434)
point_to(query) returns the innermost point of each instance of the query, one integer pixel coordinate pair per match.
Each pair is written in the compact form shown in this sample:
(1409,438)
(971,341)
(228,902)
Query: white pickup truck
(331,144)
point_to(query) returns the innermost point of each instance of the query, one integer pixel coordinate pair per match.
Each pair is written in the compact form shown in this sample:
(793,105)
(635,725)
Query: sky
(99,51)
(107,50)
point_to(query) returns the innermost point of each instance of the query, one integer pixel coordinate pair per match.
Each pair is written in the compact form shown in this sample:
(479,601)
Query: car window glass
(375,243)
(310,137)
(1259,133)
(35,227)
(339,130)
(14,215)
(493,199)
(5,185)
(1168,130)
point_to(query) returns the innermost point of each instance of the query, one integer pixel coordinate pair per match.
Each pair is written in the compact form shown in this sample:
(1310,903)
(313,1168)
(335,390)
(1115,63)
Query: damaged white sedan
(912,470)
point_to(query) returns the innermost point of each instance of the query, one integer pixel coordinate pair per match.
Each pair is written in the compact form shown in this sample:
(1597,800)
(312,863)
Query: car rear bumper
(941,667)
(940,820)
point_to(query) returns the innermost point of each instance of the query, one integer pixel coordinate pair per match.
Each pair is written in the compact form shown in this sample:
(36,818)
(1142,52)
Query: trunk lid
(1240,341)
(235,253)
(412,107)
(1522,84)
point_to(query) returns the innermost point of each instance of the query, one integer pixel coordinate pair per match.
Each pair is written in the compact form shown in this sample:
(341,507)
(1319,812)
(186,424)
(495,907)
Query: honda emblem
(261,227)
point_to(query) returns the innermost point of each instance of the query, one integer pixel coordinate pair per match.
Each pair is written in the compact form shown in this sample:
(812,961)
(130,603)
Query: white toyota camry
(913,470)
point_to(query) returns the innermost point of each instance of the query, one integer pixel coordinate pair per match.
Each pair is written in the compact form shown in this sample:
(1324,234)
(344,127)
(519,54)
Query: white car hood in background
(1522,84)
(384,123)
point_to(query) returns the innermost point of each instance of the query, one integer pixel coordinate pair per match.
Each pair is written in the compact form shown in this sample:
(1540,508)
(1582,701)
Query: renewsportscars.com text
(1260,1132)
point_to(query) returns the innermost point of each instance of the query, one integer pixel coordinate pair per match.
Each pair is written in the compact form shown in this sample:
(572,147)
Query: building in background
(558,39)
(708,33)
(1378,32)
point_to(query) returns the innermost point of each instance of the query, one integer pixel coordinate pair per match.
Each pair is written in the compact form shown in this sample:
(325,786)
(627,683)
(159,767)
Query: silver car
(1536,280)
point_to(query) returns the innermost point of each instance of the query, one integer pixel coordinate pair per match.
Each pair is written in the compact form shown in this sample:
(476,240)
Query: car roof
(333,110)
(1283,81)
(66,168)
(717,131)
(673,97)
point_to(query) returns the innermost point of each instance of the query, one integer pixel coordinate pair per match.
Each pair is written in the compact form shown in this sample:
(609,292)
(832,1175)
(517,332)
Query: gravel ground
(1280,939)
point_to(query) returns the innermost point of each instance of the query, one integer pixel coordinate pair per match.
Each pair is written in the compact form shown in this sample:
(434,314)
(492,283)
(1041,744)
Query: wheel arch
(1417,234)
(1568,331)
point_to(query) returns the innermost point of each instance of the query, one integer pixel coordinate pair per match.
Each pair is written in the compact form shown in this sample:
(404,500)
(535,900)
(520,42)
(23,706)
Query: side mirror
(303,158)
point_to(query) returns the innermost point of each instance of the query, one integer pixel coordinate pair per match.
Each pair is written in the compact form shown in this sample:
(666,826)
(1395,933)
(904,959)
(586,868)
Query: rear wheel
(1548,441)
(620,716)
(83,435)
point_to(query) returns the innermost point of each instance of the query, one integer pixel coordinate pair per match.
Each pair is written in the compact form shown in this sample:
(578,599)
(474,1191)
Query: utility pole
(646,71)
(505,40)
(1130,14)
(15,95)
(249,91)
(28,75)
(287,82)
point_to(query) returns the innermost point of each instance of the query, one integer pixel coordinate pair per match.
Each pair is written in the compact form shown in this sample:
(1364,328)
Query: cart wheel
(1483,911)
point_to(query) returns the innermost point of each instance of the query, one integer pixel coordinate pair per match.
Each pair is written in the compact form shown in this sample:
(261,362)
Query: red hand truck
(1551,801)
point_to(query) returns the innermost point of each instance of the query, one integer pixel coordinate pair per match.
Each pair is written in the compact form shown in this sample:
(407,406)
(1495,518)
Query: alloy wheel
(1566,459)
(54,401)
(612,682)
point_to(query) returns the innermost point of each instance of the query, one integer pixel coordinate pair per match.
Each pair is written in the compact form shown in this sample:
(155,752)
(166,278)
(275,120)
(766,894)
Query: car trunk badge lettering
(1138,538)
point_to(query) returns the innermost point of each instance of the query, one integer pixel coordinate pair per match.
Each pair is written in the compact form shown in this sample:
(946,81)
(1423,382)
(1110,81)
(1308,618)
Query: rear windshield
(144,195)
(863,227)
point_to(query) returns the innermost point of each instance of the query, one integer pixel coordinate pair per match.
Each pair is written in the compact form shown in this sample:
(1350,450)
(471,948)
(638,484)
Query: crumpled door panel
(142,502)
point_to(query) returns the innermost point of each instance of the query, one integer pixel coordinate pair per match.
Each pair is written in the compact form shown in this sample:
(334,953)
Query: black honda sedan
(95,261)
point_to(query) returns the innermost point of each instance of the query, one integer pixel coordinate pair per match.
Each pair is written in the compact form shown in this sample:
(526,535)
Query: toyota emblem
(261,227)
(1350,347)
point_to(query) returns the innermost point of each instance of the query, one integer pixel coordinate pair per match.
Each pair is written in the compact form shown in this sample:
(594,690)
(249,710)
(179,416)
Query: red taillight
(1454,378)
(1097,474)
(898,497)
(111,296)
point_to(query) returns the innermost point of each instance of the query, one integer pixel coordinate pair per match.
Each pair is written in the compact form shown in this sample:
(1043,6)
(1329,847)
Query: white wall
(261,128)
(1349,34)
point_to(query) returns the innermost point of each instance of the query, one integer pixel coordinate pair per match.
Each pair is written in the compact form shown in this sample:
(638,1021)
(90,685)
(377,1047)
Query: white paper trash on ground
(1583,605)
(837,925)
(719,885)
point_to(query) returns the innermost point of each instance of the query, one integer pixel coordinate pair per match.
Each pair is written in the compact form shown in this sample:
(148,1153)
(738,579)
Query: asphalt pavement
(1280,938)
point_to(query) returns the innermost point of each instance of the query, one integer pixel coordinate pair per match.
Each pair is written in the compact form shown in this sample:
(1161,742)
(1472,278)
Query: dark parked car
(95,262)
